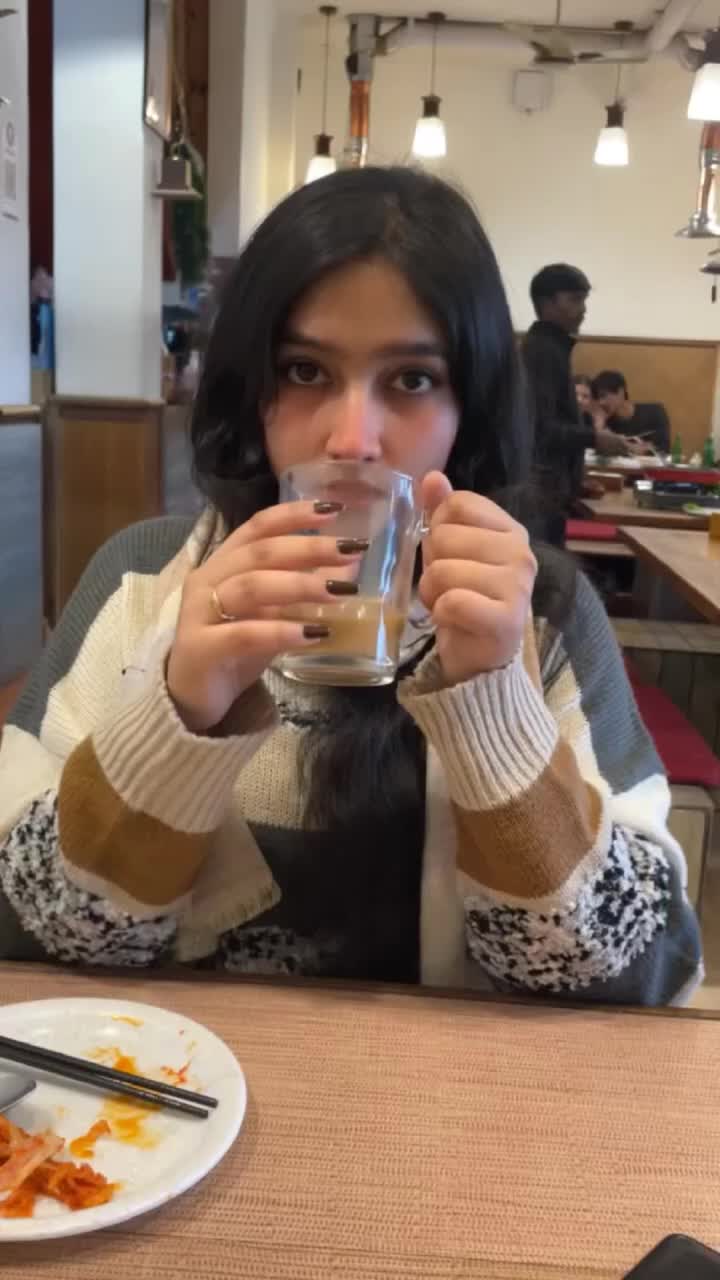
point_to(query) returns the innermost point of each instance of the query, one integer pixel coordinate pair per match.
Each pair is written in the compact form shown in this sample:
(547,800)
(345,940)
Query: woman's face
(584,396)
(362,374)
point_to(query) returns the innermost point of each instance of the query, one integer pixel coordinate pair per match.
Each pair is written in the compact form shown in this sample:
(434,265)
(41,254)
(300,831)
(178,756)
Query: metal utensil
(13,1088)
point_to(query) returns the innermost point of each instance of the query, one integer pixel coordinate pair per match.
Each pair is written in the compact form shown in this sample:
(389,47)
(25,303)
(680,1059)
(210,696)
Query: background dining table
(402,1135)
(689,563)
(621,508)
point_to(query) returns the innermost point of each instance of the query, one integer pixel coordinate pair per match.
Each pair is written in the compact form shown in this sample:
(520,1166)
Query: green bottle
(708,453)
(677,450)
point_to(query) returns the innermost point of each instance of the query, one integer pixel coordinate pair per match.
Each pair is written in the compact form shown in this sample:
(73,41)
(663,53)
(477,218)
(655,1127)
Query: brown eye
(414,382)
(304,373)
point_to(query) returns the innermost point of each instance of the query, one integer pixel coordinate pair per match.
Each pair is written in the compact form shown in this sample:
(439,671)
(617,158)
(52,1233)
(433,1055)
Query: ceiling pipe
(668,25)
(703,223)
(359,67)
(662,38)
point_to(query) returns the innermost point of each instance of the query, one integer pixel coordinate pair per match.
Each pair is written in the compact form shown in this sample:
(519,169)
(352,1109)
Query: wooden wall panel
(680,374)
(104,472)
(196,58)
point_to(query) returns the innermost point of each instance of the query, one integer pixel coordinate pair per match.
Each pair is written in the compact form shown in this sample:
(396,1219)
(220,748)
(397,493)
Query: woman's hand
(264,570)
(478,579)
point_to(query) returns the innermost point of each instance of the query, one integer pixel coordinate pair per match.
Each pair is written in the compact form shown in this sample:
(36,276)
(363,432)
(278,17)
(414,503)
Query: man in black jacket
(559,295)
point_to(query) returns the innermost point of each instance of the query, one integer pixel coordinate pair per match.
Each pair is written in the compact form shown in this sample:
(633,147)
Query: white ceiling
(581,13)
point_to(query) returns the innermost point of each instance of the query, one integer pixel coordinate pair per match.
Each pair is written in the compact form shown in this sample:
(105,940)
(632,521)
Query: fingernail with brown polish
(351,546)
(316,631)
(340,587)
(328,508)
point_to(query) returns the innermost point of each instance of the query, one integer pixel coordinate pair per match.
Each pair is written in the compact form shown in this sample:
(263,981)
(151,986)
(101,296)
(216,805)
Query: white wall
(108,227)
(226,44)
(532,177)
(254,56)
(14,234)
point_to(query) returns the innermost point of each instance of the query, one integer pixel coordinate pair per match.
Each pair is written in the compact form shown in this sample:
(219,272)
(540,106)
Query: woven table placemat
(394,1136)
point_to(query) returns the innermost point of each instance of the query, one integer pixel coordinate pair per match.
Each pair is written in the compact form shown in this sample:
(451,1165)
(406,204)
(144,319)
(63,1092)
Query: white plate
(181,1149)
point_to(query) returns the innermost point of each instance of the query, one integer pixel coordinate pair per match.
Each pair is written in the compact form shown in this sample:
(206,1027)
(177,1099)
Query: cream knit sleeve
(107,803)
(569,875)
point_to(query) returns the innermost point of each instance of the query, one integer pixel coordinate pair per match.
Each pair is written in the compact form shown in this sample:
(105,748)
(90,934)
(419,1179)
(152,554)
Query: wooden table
(402,1136)
(621,508)
(622,465)
(690,561)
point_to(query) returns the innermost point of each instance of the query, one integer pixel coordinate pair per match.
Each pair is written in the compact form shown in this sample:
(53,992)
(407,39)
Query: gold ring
(222,616)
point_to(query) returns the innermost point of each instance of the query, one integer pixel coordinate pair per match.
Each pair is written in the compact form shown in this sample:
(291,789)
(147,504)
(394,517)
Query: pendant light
(704,101)
(612,144)
(322,162)
(430,141)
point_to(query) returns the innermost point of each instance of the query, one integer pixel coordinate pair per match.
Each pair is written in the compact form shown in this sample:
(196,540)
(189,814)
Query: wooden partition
(103,472)
(680,374)
(21,576)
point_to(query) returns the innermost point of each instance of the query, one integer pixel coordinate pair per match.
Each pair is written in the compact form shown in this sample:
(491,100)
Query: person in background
(647,425)
(591,415)
(559,296)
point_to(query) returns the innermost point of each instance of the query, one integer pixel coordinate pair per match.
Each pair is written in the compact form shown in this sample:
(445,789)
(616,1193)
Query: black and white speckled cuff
(614,918)
(71,925)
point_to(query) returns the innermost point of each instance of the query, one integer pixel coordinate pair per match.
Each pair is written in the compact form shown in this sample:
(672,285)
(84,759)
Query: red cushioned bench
(596,540)
(591,530)
(685,754)
(693,772)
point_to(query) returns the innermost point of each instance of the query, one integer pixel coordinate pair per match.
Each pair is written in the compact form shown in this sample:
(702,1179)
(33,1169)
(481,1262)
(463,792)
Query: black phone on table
(678,1258)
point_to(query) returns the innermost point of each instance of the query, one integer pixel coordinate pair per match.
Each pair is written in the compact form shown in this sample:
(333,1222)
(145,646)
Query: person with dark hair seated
(493,817)
(559,295)
(646,425)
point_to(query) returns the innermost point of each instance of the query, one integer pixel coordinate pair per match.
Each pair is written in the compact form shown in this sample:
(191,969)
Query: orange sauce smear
(178,1077)
(127,1120)
(84,1146)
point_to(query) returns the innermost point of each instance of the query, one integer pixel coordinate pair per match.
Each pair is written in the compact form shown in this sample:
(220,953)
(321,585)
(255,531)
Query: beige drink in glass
(380,506)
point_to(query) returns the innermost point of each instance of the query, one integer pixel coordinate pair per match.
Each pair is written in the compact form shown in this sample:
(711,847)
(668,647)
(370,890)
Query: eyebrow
(293,338)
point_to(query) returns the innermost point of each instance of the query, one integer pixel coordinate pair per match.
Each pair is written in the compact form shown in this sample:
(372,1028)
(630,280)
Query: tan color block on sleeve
(529,847)
(99,835)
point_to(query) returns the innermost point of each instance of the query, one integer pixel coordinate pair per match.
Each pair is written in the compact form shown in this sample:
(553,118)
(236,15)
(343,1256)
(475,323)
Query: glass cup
(380,506)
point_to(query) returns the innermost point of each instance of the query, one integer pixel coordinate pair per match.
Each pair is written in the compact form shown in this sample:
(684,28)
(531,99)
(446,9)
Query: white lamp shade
(320,167)
(430,141)
(612,147)
(704,101)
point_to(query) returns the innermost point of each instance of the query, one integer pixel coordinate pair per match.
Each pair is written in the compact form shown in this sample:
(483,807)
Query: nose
(355,426)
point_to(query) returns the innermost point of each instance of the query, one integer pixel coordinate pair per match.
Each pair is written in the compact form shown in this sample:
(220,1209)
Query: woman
(583,392)
(590,416)
(497,818)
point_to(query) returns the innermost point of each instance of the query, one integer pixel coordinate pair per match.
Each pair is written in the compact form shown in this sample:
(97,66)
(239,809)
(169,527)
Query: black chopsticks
(98,1076)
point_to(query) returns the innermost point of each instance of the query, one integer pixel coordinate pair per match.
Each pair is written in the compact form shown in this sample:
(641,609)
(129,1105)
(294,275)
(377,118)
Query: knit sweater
(545,864)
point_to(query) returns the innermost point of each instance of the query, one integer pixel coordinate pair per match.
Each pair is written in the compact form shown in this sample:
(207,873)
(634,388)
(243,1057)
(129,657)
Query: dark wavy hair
(608,380)
(370,759)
